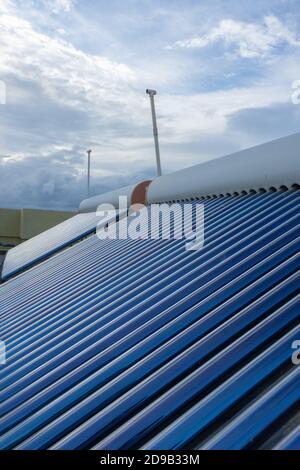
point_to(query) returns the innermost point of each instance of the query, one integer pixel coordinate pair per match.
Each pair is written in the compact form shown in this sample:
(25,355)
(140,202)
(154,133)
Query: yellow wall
(17,225)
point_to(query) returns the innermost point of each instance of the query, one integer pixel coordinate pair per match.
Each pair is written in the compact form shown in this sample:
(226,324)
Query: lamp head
(151,92)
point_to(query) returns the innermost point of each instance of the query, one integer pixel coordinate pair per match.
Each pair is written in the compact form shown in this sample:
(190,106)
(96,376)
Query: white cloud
(59,5)
(116,109)
(186,117)
(248,39)
(61,31)
(63,100)
(65,73)
(5,6)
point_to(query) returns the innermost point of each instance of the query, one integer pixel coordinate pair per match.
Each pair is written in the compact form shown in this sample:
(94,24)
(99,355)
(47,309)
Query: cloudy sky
(76,71)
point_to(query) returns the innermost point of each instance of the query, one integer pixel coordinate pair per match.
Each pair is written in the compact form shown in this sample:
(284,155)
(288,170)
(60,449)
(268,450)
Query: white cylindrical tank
(135,194)
(273,164)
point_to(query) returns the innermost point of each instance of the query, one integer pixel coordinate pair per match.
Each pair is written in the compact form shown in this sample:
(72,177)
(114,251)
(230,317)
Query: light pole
(151,94)
(89,172)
